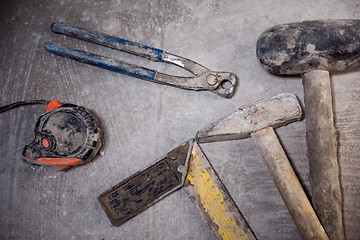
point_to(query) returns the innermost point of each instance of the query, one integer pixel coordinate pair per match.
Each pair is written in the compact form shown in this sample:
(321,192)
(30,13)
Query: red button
(45,142)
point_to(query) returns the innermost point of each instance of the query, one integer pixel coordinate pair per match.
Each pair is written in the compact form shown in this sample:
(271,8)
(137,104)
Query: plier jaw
(220,83)
(225,83)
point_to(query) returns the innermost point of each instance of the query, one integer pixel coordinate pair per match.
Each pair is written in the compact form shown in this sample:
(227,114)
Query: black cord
(22,103)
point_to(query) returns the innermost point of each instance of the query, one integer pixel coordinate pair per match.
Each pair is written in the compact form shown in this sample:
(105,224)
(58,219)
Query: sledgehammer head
(275,112)
(297,48)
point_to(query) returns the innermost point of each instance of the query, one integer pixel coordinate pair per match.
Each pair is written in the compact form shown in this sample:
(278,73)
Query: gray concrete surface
(143,121)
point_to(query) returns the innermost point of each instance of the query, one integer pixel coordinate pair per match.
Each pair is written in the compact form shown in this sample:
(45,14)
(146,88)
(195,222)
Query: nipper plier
(220,83)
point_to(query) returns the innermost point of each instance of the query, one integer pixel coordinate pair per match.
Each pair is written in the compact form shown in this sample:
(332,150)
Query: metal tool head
(225,83)
(275,112)
(220,83)
(297,48)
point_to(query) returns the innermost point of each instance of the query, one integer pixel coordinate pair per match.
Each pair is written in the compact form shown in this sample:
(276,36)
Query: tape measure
(65,136)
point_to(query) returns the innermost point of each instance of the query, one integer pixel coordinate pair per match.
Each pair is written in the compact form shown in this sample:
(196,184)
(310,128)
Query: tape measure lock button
(46,143)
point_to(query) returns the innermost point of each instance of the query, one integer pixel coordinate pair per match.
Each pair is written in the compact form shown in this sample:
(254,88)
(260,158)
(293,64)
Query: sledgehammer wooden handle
(322,151)
(288,184)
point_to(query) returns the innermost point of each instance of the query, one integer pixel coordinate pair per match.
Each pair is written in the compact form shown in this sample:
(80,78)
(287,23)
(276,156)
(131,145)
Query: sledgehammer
(258,120)
(312,49)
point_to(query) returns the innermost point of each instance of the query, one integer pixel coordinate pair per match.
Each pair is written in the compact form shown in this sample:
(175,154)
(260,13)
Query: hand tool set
(68,135)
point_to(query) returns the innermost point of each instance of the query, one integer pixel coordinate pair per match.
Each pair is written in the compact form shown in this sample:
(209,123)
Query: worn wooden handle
(288,185)
(322,152)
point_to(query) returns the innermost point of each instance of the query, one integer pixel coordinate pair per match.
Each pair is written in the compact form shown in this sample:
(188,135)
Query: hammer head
(297,48)
(275,112)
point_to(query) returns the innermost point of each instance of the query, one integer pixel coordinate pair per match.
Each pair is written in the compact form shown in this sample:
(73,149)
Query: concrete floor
(143,121)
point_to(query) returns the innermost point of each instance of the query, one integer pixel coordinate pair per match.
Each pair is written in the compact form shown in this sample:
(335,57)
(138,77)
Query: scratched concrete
(143,121)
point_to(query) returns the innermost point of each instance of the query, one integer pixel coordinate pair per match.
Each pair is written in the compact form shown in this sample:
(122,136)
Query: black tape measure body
(66,136)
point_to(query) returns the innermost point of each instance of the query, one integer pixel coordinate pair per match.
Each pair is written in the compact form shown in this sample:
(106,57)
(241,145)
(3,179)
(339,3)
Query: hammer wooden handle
(288,185)
(322,152)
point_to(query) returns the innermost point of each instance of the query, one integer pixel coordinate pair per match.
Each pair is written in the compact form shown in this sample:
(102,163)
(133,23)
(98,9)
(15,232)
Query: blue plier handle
(220,83)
